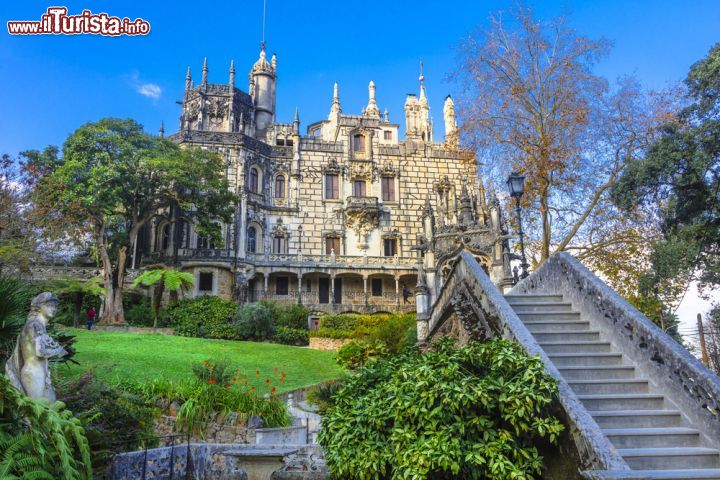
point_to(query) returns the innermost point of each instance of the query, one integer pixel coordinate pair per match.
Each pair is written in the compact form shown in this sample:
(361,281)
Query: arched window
(254,180)
(280,186)
(252,240)
(205,242)
(359,143)
(165,241)
(279,244)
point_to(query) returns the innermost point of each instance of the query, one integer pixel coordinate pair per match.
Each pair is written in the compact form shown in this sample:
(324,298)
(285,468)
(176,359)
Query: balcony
(361,204)
(303,260)
(354,301)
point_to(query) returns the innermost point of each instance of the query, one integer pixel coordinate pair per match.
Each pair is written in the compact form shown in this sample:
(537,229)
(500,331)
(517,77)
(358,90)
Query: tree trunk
(546,232)
(157,299)
(114,278)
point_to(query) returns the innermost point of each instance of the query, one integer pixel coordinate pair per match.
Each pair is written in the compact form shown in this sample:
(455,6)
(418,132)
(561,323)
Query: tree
(18,245)
(679,179)
(164,279)
(111,180)
(77,290)
(532,103)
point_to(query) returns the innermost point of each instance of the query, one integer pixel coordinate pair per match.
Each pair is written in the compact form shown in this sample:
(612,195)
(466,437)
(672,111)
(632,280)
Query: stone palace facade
(337,218)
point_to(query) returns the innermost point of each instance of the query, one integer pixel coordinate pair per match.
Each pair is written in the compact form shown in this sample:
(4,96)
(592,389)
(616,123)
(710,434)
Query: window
(388,189)
(205,242)
(390,247)
(359,188)
(332,244)
(387,135)
(282,285)
(279,244)
(252,240)
(165,237)
(289,142)
(280,186)
(280,141)
(359,143)
(253,180)
(205,282)
(332,190)
(308,285)
(377,287)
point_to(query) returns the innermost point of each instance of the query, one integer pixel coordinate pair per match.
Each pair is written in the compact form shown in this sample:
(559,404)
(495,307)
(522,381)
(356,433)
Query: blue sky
(50,85)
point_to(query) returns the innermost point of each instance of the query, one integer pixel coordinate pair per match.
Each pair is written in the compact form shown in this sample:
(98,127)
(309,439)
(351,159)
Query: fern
(40,441)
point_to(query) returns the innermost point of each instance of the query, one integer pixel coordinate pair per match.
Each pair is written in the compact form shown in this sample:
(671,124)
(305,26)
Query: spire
(273,62)
(188,80)
(296,122)
(372,109)
(232,75)
(204,72)
(423,97)
(451,137)
(387,116)
(161,132)
(335,109)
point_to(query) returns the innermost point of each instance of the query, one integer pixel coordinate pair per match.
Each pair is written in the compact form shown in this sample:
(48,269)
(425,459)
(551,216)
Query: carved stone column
(365,279)
(299,288)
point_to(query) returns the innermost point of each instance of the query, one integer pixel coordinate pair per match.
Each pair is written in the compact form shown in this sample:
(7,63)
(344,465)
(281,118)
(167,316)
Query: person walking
(406,293)
(91,317)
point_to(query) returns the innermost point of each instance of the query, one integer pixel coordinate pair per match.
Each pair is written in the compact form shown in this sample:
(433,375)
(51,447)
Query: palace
(340,218)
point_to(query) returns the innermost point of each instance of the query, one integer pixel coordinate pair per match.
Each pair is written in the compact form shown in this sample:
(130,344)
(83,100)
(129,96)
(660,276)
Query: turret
(204,72)
(188,82)
(418,125)
(372,109)
(451,137)
(335,108)
(263,78)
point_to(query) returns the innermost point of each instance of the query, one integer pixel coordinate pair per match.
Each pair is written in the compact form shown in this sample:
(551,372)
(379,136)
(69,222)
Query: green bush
(328,333)
(343,321)
(213,371)
(38,440)
(204,317)
(478,411)
(115,420)
(292,316)
(393,333)
(139,313)
(254,322)
(14,307)
(291,336)
(358,353)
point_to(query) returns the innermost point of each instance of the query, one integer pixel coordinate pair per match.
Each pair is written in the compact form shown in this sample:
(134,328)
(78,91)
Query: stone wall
(320,343)
(228,432)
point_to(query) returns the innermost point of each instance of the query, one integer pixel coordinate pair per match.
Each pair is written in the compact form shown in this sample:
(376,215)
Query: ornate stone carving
(27,367)
(469,314)
(361,170)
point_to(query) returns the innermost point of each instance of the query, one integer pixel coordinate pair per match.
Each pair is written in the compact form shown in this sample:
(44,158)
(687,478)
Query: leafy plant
(205,317)
(115,420)
(164,279)
(330,333)
(322,395)
(254,322)
(292,316)
(358,353)
(38,440)
(215,371)
(16,296)
(291,336)
(478,411)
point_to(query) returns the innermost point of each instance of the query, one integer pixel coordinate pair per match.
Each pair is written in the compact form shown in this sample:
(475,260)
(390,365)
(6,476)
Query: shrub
(115,420)
(254,322)
(328,333)
(139,313)
(393,333)
(343,321)
(204,317)
(14,307)
(292,316)
(38,440)
(321,395)
(358,353)
(478,411)
(291,336)
(217,371)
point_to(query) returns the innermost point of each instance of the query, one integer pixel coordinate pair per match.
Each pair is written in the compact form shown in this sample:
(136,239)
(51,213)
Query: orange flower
(234,379)
(267,381)
(257,373)
(212,380)
(241,421)
(252,389)
(272,391)
(227,385)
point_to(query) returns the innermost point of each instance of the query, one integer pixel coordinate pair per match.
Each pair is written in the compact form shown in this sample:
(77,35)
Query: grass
(144,357)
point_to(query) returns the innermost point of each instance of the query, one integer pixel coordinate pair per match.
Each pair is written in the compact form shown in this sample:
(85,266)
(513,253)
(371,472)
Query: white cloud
(146,89)
(149,90)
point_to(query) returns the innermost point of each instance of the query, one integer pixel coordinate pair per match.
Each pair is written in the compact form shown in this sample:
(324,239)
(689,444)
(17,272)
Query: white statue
(27,367)
(449,117)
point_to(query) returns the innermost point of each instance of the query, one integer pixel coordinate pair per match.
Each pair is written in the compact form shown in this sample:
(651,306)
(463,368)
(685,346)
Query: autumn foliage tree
(111,180)
(531,103)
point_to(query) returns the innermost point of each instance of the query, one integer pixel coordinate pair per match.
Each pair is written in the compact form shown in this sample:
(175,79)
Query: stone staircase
(650,432)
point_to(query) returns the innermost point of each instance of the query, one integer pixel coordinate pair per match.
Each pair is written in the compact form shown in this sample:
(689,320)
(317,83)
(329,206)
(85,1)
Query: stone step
(567,336)
(637,418)
(549,326)
(653,437)
(623,401)
(597,372)
(670,458)
(688,474)
(585,359)
(519,299)
(547,316)
(542,307)
(593,387)
(579,347)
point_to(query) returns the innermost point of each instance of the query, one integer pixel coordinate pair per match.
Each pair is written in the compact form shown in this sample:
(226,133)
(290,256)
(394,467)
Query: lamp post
(516,185)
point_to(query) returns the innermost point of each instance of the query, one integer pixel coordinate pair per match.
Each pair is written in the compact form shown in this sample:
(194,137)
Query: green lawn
(144,357)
